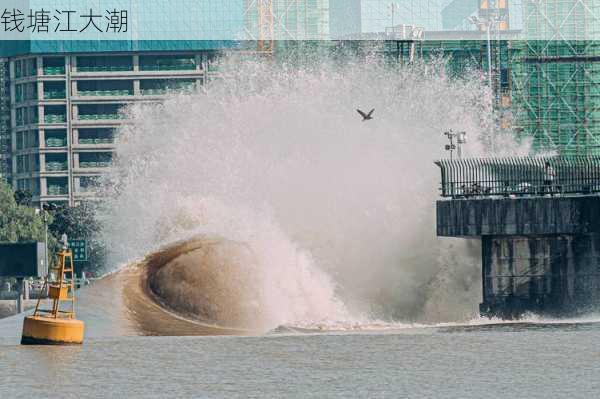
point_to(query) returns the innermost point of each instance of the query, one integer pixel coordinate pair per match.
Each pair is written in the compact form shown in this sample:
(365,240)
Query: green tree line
(20,222)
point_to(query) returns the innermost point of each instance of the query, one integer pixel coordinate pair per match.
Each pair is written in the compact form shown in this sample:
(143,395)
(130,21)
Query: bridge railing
(519,176)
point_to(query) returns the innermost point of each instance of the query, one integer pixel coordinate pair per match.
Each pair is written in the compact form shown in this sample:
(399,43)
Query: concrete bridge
(538,220)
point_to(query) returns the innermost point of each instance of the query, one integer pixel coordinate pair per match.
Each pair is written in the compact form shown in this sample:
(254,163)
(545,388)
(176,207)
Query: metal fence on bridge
(522,176)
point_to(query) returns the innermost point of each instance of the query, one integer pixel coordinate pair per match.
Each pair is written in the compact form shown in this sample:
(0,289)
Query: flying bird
(366,117)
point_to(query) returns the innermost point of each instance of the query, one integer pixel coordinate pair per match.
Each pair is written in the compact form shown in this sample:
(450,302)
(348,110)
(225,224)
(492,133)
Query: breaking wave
(291,210)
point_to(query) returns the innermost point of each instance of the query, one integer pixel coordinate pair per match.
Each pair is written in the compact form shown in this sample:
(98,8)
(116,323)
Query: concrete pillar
(136,87)
(13,118)
(26,289)
(43,186)
(20,307)
(13,92)
(40,66)
(42,138)
(136,63)
(41,114)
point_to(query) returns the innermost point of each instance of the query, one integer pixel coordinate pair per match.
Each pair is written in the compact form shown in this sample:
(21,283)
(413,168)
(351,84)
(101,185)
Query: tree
(18,222)
(22,223)
(23,197)
(79,222)
(76,222)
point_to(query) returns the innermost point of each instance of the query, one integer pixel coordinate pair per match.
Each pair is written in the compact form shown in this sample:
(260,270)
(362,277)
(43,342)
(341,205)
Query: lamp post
(393,7)
(42,210)
(487,23)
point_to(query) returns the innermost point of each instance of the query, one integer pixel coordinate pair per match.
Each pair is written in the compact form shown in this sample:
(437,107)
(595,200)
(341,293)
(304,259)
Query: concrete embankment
(9,307)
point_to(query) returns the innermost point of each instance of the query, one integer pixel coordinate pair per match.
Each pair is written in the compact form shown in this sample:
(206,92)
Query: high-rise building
(62,87)
(61,100)
(64,109)
(5,128)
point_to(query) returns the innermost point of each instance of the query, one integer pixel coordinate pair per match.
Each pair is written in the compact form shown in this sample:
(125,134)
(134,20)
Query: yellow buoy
(56,326)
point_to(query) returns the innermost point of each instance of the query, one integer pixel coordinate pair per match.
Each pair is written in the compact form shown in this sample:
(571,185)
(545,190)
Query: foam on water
(338,213)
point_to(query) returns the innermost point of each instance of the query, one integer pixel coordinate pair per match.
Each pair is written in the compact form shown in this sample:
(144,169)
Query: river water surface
(495,361)
(136,348)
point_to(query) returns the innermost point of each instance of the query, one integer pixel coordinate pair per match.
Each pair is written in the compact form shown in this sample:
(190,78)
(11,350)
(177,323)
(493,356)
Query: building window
(104,64)
(162,86)
(26,67)
(27,139)
(56,162)
(54,90)
(30,185)
(55,114)
(96,136)
(100,111)
(167,63)
(26,116)
(105,88)
(55,137)
(28,163)
(54,66)
(88,184)
(95,159)
(57,186)
(25,92)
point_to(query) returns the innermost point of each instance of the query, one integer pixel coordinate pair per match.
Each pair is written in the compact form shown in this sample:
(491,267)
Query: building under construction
(556,76)
(286,20)
(543,58)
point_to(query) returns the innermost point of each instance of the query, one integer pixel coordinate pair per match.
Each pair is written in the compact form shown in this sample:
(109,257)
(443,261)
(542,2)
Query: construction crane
(260,24)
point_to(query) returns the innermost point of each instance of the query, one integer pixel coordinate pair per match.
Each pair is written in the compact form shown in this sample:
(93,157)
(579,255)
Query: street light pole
(46,239)
(487,23)
(393,6)
(489,52)
(42,210)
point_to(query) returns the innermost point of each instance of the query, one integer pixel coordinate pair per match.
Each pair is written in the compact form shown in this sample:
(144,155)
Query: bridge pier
(539,254)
